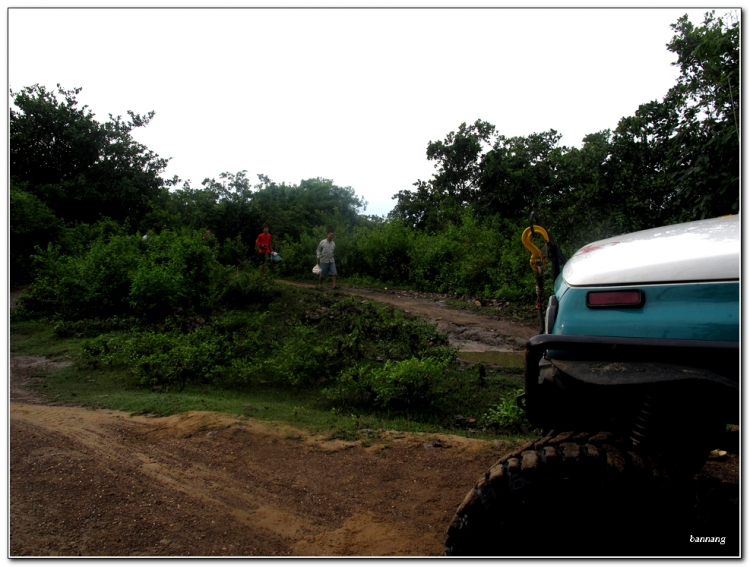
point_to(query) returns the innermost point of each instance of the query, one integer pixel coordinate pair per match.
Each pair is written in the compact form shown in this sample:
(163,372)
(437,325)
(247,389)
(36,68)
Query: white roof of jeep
(706,250)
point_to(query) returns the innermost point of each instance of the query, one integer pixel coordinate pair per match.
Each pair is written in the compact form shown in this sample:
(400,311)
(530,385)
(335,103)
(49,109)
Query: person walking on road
(325,258)
(263,245)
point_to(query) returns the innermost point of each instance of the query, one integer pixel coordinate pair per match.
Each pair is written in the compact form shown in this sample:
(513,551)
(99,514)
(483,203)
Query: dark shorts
(327,269)
(261,259)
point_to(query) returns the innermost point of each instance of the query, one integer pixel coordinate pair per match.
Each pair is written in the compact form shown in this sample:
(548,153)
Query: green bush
(32,223)
(76,287)
(227,352)
(406,383)
(173,271)
(235,252)
(398,384)
(382,251)
(298,256)
(302,358)
(486,260)
(506,415)
(432,262)
(179,359)
(130,276)
(247,286)
(295,343)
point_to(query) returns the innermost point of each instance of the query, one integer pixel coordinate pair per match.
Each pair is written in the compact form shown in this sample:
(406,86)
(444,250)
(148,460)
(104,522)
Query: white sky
(352,95)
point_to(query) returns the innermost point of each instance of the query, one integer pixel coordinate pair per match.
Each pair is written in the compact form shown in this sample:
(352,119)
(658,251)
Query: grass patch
(38,338)
(118,389)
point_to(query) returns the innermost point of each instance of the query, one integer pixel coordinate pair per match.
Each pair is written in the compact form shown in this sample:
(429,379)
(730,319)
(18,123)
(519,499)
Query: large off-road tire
(577,495)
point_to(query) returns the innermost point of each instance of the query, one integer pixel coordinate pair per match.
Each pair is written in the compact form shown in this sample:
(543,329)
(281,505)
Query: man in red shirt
(263,246)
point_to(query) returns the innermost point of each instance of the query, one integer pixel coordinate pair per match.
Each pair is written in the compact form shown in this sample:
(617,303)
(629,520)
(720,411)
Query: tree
(498,176)
(32,224)
(83,170)
(458,162)
(519,174)
(440,200)
(705,156)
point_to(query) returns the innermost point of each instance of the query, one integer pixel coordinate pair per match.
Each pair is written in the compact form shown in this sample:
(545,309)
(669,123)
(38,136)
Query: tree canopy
(672,161)
(83,170)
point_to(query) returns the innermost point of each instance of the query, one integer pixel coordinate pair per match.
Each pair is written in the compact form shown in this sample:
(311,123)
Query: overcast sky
(352,95)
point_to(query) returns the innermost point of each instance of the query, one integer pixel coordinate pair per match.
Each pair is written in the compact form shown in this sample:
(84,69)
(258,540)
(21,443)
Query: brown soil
(104,483)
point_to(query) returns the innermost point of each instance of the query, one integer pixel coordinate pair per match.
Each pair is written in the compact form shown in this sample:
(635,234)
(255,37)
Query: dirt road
(103,483)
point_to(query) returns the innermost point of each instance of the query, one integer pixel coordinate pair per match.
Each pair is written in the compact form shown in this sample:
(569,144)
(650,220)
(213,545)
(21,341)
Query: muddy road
(102,483)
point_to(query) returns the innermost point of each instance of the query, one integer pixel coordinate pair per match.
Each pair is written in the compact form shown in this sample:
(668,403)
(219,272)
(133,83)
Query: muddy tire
(579,495)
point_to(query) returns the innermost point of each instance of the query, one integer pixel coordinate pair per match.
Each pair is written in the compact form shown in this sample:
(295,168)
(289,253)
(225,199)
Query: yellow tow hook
(538,263)
(538,258)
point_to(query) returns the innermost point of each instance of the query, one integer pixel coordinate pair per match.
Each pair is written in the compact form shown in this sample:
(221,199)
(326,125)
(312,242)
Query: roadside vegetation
(151,288)
(311,357)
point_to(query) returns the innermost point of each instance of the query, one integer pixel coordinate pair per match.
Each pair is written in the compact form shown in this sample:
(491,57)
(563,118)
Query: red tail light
(616,298)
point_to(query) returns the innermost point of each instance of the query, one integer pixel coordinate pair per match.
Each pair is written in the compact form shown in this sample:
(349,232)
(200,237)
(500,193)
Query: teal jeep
(633,379)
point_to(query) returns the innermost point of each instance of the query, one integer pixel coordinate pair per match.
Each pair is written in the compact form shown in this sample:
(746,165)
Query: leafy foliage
(32,223)
(506,415)
(284,345)
(80,168)
(221,353)
(405,384)
(672,161)
(150,278)
(705,153)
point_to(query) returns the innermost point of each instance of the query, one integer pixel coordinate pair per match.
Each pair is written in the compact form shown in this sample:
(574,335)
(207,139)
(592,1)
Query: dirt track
(101,483)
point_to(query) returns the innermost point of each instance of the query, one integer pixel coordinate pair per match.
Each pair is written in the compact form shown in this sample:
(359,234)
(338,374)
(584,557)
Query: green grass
(37,338)
(117,389)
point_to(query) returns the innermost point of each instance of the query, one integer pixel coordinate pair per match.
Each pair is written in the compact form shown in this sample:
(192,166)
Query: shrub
(174,271)
(303,357)
(94,285)
(299,255)
(226,352)
(32,223)
(506,415)
(235,252)
(382,251)
(129,276)
(243,287)
(432,262)
(406,384)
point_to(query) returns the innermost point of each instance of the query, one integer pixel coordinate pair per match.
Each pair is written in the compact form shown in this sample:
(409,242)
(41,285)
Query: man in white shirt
(326,262)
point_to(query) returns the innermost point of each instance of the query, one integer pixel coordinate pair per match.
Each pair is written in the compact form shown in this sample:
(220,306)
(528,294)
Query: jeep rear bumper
(621,361)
